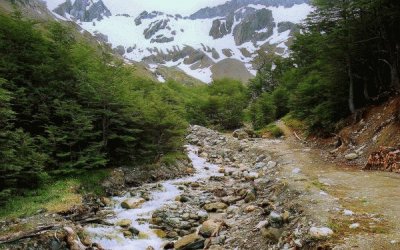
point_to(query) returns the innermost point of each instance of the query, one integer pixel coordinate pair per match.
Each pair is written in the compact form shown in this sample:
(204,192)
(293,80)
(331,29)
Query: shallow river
(111,237)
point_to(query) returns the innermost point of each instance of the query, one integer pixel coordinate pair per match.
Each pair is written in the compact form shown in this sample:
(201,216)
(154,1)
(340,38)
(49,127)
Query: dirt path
(327,191)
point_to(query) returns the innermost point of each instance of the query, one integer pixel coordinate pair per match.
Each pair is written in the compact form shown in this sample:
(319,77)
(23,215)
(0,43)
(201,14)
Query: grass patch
(57,196)
(171,158)
(294,123)
(319,185)
(271,131)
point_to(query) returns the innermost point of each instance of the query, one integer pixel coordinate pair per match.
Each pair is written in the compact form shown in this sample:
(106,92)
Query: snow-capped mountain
(213,42)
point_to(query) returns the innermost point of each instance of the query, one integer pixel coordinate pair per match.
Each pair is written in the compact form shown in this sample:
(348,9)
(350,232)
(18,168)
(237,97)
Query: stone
(213,207)
(143,236)
(127,234)
(72,239)
(209,228)
(106,201)
(216,247)
(351,156)
(132,203)
(285,216)
(260,165)
(169,245)
(275,217)
(251,176)
(261,158)
(182,198)
(240,134)
(261,224)
(160,233)
(190,171)
(272,234)
(195,184)
(320,232)
(354,225)
(250,209)
(134,231)
(124,223)
(232,209)
(250,196)
(190,242)
(272,164)
(296,171)
(347,212)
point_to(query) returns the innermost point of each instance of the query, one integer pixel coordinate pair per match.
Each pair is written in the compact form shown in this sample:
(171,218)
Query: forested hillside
(68,107)
(346,57)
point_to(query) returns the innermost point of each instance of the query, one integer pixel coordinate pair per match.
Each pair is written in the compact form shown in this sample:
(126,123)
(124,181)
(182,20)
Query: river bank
(241,193)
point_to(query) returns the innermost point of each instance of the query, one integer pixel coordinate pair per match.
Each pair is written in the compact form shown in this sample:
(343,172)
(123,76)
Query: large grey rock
(215,206)
(190,242)
(132,203)
(320,232)
(351,156)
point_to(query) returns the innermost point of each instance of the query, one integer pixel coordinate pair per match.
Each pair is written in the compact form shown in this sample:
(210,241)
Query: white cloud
(183,7)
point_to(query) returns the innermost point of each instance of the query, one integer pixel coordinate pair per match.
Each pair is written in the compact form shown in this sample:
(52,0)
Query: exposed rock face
(120,50)
(231,6)
(222,27)
(250,28)
(155,27)
(284,26)
(162,39)
(84,10)
(232,24)
(146,15)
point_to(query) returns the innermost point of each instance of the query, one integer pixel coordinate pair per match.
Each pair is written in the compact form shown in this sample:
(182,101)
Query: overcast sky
(184,7)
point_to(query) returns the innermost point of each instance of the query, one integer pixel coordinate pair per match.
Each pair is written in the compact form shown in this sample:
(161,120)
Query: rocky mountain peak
(83,10)
(198,44)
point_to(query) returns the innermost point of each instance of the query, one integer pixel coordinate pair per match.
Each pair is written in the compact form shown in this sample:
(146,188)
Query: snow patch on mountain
(156,36)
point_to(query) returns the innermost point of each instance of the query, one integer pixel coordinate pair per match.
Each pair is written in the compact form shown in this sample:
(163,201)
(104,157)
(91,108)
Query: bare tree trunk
(366,94)
(394,73)
(351,86)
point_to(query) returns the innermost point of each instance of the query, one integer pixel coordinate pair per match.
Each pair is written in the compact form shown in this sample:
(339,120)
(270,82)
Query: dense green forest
(346,57)
(68,107)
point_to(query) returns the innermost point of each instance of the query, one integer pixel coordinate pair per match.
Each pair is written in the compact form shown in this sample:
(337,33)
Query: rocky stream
(233,200)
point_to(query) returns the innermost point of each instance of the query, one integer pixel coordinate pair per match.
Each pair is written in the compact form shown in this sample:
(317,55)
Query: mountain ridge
(196,43)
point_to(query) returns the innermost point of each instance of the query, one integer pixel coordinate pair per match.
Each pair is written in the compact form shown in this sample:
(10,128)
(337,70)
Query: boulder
(134,231)
(240,134)
(190,242)
(272,234)
(213,207)
(73,240)
(276,219)
(320,232)
(132,203)
(250,196)
(250,208)
(351,156)
(209,228)
(124,223)
(271,164)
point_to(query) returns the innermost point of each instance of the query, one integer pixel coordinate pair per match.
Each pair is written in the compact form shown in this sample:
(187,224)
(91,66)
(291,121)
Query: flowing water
(111,237)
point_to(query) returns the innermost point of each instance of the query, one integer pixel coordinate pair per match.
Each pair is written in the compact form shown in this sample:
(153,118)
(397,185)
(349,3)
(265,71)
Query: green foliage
(78,108)
(345,58)
(262,111)
(273,130)
(225,104)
